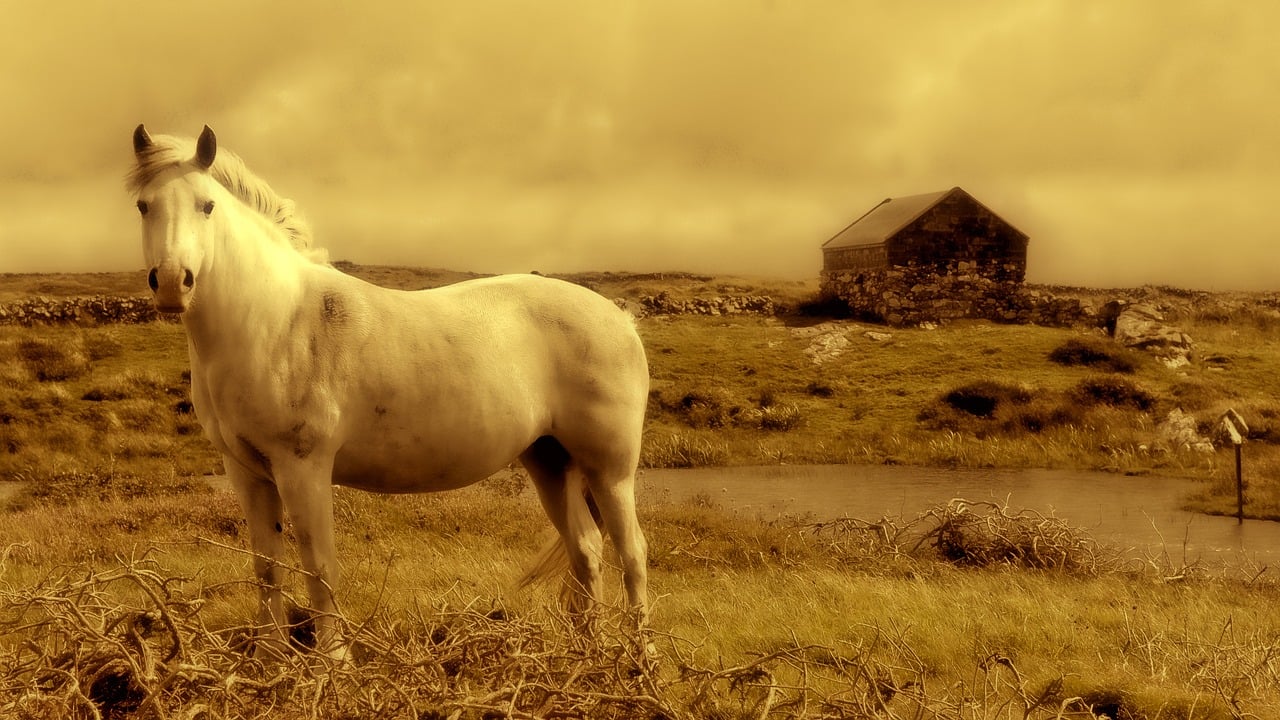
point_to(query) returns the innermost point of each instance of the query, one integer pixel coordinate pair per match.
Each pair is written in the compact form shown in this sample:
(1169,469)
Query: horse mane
(166,151)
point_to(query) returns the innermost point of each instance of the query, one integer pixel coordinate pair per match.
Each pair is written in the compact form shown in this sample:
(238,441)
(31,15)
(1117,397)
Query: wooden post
(1236,429)
(1239,489)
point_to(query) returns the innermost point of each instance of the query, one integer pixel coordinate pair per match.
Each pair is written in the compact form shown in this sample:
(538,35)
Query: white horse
(305,377)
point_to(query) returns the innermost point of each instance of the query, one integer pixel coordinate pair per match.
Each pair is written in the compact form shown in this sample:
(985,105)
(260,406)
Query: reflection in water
(1135,512)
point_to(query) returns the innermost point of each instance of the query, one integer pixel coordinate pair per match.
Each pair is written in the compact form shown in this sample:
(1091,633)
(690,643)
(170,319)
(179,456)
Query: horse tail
(553,558)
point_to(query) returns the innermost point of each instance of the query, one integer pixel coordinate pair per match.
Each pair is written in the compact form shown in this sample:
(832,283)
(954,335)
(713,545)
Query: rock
(828,341)
(1178,432)
(1141,326)
(874,336)
(632,308)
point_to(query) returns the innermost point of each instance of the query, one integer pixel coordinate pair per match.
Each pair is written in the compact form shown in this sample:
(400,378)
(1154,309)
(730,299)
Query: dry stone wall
(912,295)
(90,310)
(664,304)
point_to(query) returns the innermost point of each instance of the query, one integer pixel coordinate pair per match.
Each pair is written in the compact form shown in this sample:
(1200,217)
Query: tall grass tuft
(679,450)
(781,417)
(51,361)
(1113,391)
(1094,354)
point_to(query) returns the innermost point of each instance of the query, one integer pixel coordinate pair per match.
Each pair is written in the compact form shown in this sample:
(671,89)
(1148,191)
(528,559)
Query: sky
(1136,142)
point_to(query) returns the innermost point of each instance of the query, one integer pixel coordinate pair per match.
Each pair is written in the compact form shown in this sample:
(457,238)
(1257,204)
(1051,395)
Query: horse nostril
(153,281)
(188,280)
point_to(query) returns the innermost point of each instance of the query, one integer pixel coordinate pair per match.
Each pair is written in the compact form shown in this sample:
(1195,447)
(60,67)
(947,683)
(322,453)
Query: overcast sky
(1135,142)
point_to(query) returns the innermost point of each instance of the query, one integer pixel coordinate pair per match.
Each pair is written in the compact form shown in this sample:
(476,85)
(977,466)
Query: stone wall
(90,310)
(664,304)
(912,295)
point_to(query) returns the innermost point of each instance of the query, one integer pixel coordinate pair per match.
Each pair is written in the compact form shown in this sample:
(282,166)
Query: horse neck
(248,288)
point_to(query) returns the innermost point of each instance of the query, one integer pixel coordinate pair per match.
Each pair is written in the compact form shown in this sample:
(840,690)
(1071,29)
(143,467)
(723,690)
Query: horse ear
(206,148)
(141,140)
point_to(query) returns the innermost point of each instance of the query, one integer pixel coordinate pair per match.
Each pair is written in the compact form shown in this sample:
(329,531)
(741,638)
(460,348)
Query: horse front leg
(307,491)
(263,513)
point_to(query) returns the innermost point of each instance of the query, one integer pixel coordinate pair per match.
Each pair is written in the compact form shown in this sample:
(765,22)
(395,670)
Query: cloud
(717,135)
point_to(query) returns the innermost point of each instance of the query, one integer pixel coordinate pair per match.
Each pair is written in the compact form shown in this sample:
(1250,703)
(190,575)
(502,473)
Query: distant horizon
(712,275)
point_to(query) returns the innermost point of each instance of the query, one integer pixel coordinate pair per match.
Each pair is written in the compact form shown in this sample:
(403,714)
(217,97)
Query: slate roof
(886,219)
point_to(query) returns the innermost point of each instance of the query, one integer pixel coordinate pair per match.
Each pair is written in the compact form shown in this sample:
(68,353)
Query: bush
(1113,391)
(1036,417)
(987,406)
(700,407)
(817,388)
(1093,355)
(981,398)
(768,398)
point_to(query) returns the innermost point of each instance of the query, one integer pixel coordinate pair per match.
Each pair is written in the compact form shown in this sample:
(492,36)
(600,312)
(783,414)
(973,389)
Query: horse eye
(208,207)
(142,206)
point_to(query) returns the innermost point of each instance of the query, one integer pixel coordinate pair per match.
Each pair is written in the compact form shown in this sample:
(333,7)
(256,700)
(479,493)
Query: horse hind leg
(614,494)
(562,490)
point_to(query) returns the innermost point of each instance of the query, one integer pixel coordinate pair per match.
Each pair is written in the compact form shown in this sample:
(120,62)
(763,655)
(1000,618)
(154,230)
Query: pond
(1142,513)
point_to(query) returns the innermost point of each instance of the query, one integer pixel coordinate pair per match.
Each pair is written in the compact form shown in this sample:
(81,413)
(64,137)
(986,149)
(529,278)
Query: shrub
(700,407)
(1113,391)
(817,388)
(981,398)
(988,406)
(1265,424)
(768,398)
(1035,417)
(1092,354)
(986,534)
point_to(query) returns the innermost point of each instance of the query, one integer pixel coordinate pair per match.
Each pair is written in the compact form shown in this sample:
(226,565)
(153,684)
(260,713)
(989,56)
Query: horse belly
(414,463)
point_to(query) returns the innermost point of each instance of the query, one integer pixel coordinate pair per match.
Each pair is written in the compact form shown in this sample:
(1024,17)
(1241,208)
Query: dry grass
(130,638)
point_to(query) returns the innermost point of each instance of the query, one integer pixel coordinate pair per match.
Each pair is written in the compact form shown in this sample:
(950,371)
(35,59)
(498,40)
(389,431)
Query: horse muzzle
(172,285)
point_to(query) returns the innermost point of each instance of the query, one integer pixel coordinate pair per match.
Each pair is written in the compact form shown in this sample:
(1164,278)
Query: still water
(1141,513)
(1138,513)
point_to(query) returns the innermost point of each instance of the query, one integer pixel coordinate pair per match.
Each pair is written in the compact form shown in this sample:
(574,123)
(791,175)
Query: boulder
(1178,431)
(1141,326)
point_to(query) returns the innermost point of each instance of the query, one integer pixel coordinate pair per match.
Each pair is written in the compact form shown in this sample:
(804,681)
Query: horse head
(177,206)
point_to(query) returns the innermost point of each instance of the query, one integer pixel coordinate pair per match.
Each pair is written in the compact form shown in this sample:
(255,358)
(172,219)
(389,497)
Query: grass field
(972,612)
(122,588)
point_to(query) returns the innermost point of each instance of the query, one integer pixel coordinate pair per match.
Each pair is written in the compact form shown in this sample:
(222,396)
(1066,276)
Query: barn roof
(884,220)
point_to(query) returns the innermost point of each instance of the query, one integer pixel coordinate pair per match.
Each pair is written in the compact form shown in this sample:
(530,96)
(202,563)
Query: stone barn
(931,230)
(933,258)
